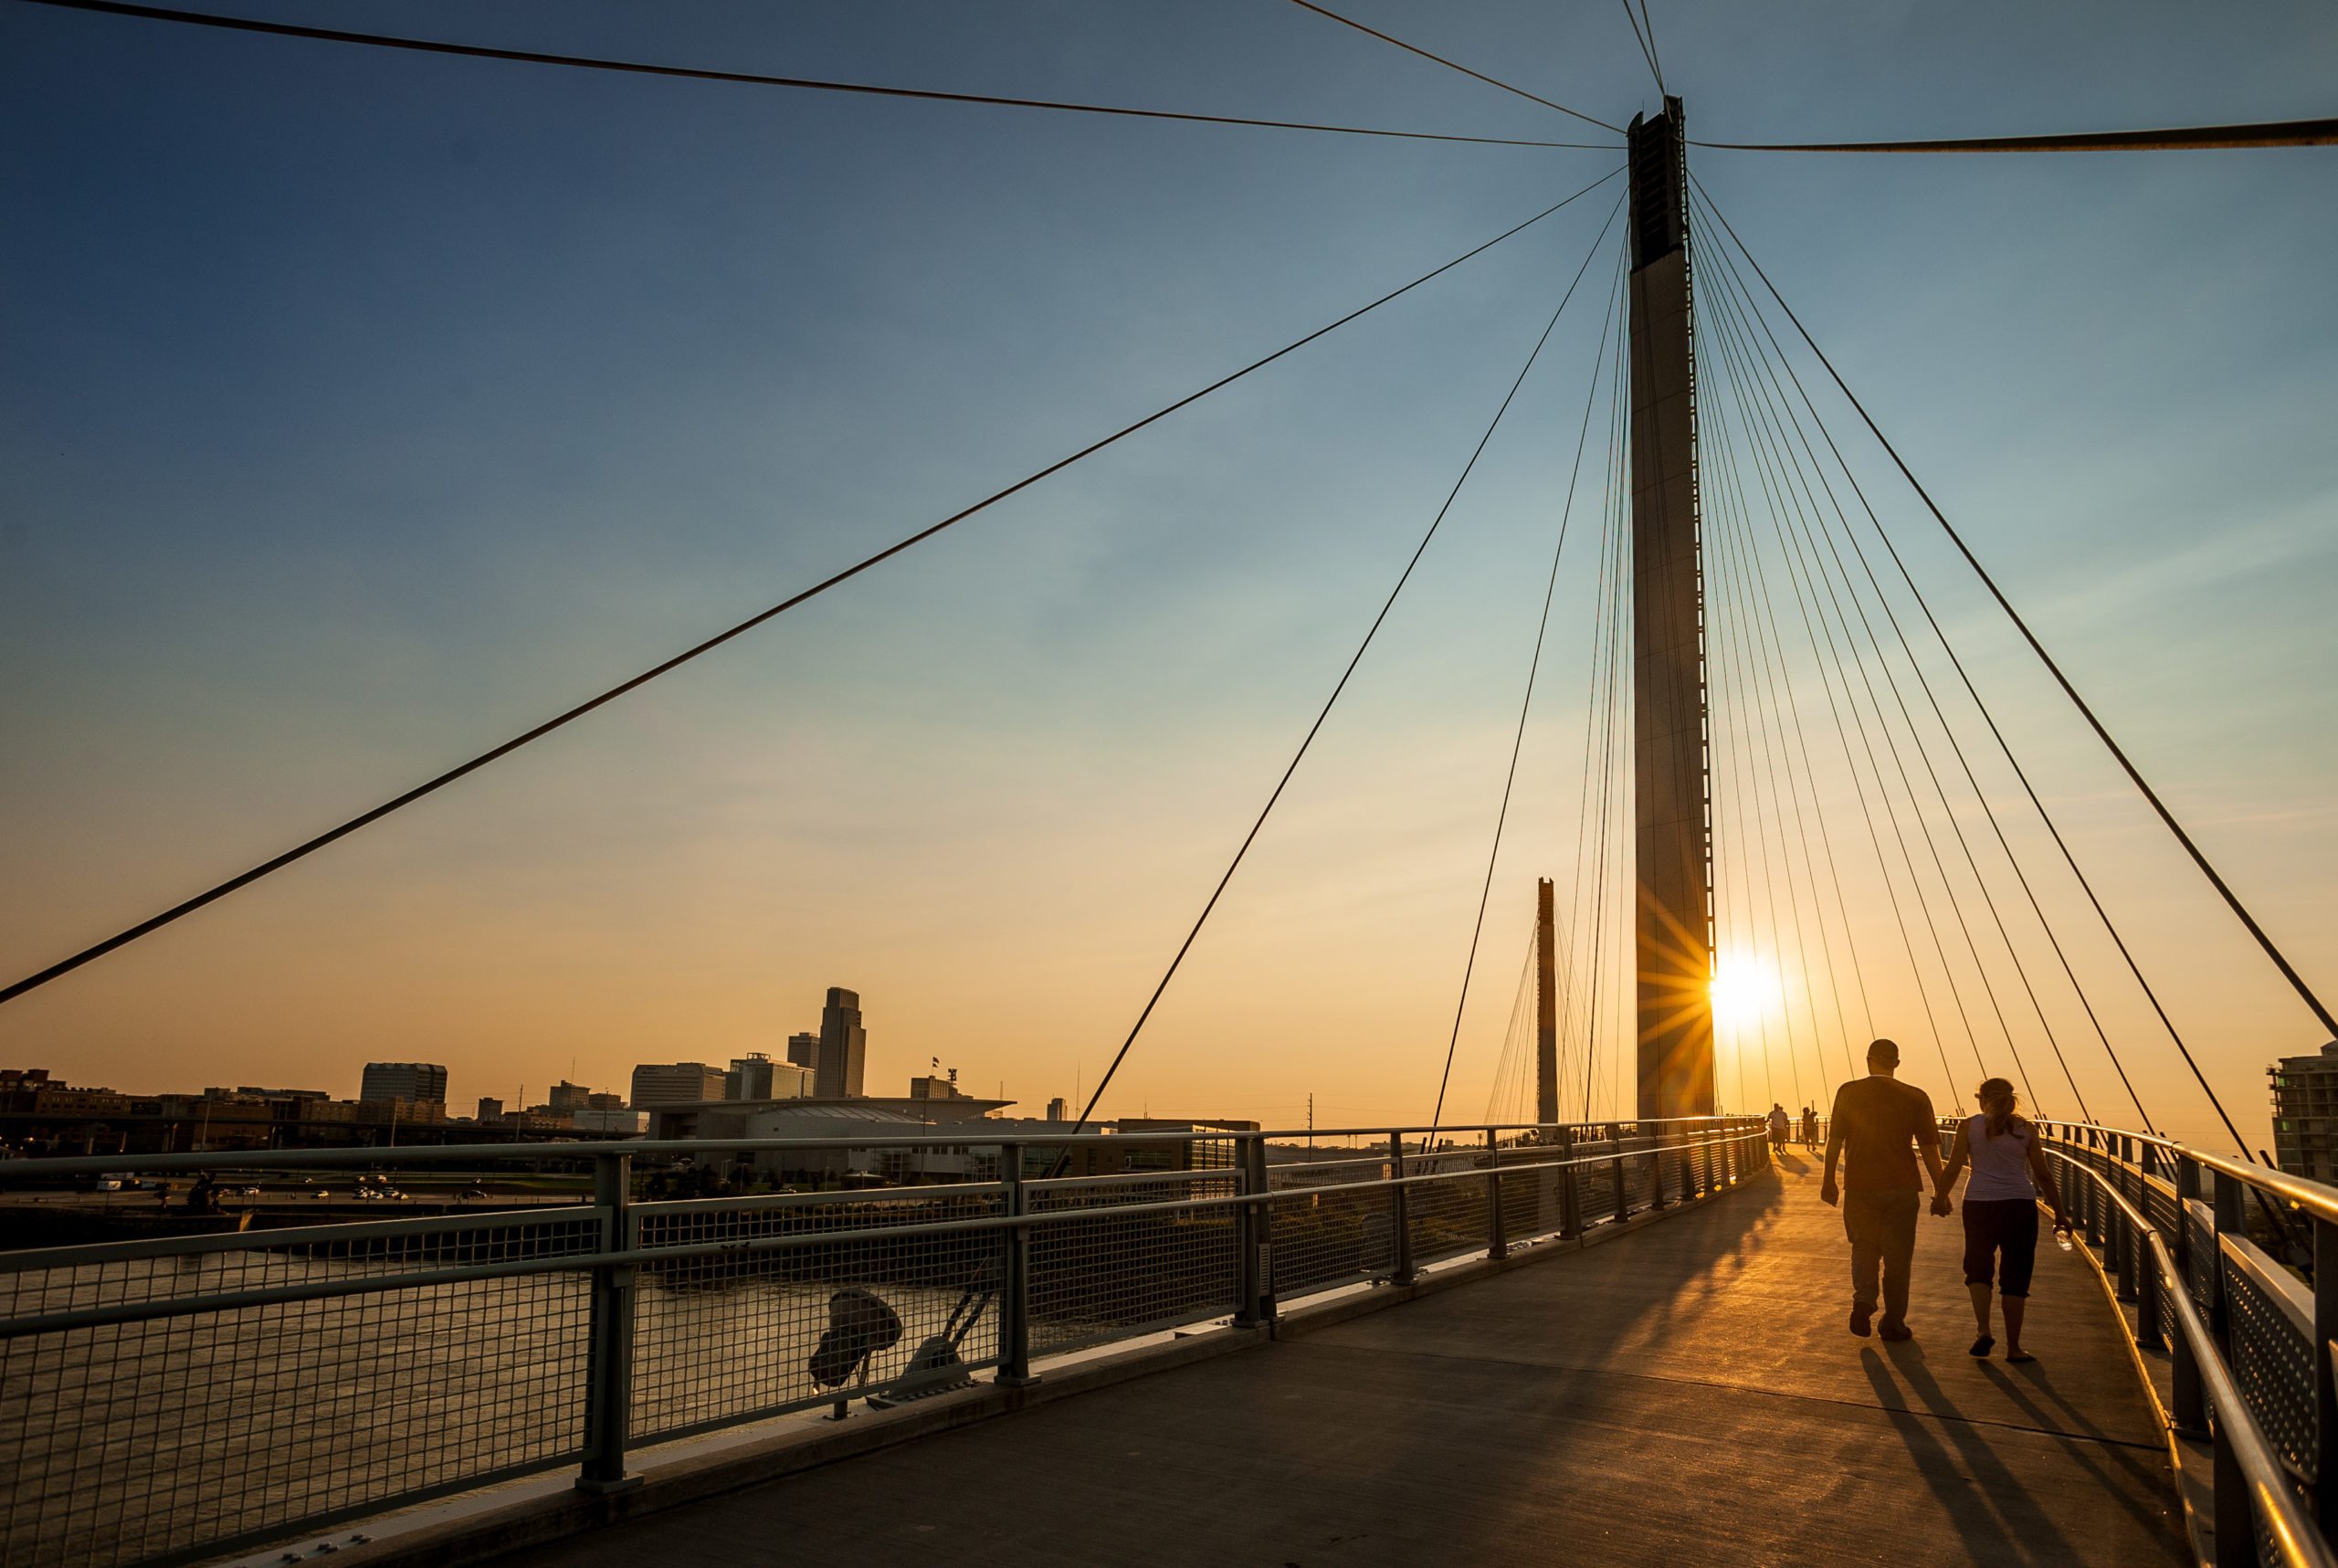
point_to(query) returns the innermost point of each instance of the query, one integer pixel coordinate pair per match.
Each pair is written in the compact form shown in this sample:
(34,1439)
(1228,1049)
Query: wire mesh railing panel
(1165,1187)
(127,1273)
(1332,1236)
(1639,1183)
(736,1335)
(1339,1171)
(1448,1218)
(184,1395)
(1597,1185)
(2273,1365)
(127,1441)
(1115,1276)
(1530,1198)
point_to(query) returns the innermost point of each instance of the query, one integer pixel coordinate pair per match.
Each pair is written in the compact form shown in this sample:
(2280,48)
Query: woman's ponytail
(1997,1099)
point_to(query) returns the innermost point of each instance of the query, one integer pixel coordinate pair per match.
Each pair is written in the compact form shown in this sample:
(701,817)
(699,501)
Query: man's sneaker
(1891,1331)
(1859,1316)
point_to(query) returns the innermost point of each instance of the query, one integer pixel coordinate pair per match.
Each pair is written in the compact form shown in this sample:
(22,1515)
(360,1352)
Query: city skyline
(319,479)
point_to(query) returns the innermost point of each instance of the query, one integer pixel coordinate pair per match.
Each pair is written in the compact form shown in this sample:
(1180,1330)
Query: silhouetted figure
(204,1196)
(1778,1126)
(1885,1124)
(2000,1209)
(1810,1127)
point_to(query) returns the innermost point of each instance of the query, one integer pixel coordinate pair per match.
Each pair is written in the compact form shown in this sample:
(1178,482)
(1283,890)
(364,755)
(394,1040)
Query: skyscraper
(844,1046)
(804,1050)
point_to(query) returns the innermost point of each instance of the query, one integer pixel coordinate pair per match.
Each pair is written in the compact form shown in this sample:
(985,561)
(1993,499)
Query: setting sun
(1745,988)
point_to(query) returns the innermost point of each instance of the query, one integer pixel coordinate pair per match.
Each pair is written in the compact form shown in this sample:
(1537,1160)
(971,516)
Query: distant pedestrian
(1778,1126)
(1810,1127)
(1885,1125)
(2009,1171)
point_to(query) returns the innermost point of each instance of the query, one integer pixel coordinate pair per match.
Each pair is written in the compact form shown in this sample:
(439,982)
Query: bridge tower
(1672,800)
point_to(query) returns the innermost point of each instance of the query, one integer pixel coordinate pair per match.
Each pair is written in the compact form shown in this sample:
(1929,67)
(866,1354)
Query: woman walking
(2009,1173)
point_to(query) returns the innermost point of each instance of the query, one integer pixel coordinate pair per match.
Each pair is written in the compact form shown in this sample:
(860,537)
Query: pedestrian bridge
(1627,1338)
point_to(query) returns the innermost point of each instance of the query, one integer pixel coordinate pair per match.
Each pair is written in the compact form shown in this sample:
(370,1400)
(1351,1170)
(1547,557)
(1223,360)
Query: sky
(360,409)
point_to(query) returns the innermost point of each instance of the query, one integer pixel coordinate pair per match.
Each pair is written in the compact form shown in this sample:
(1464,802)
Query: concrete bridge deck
(1687,1392)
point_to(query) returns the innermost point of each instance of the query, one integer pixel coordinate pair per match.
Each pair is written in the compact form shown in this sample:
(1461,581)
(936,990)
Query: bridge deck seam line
(2152,1447)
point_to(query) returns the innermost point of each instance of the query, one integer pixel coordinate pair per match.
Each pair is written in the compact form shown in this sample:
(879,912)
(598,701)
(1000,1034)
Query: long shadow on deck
(1688,1391)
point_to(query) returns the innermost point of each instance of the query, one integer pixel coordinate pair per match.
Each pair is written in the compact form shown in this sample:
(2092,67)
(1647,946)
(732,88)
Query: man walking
(1885,1125)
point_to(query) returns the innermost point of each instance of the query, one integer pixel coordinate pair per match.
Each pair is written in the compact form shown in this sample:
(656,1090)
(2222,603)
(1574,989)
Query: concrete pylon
(1672,800)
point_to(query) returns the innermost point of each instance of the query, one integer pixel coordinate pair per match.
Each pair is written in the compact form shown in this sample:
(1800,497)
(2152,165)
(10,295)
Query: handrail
(1194,1248)
(943,1136)
(2312,1197)
(2295,1533)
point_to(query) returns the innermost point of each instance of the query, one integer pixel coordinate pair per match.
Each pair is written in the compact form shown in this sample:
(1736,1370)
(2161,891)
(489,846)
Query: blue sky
(361,408)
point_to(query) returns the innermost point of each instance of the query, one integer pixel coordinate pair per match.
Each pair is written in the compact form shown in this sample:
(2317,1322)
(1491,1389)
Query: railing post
(609,1399)
(1497,1232)
(1655,1169)
(1401,1206)
(2325,1379)
(1570,1193)
(1249,1219)
(1015,1276)
(2232,1220)
(2191,1404)
(2147,1280)
(1615,1172)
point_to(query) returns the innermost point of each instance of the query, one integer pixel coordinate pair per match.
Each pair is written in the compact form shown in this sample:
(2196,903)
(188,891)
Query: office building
(488,1109)
(937,1088)
(2305,1114)
(1058,1110)
(567,1096)
(844,1048)
(804,1049)
(676,1083)
(749,1078)
(410,1081)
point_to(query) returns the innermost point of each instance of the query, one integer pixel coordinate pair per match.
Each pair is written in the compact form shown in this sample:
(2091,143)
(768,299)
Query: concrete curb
(538,1521)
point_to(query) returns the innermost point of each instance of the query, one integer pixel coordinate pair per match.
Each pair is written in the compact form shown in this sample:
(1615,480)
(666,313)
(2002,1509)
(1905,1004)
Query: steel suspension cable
(1534,665)
(1647,53)
(1454,65)
(2261,134)
(1799,524)
(2005,747)
(1737,306)
(1731,511)
(397,802)
(1827,661)
(1737,665)
(744,78)
(1742,881)
(1616,619)
(2274,1215)
(2232,901)
(1732,583)
(1764,635)
(1177,961)
(1750,351)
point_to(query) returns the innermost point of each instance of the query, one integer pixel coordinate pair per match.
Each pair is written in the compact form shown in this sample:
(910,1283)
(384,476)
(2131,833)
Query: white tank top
(2000,1165)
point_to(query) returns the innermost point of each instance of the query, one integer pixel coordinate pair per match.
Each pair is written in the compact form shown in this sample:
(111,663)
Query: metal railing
(172,1398)
(2248,1340)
